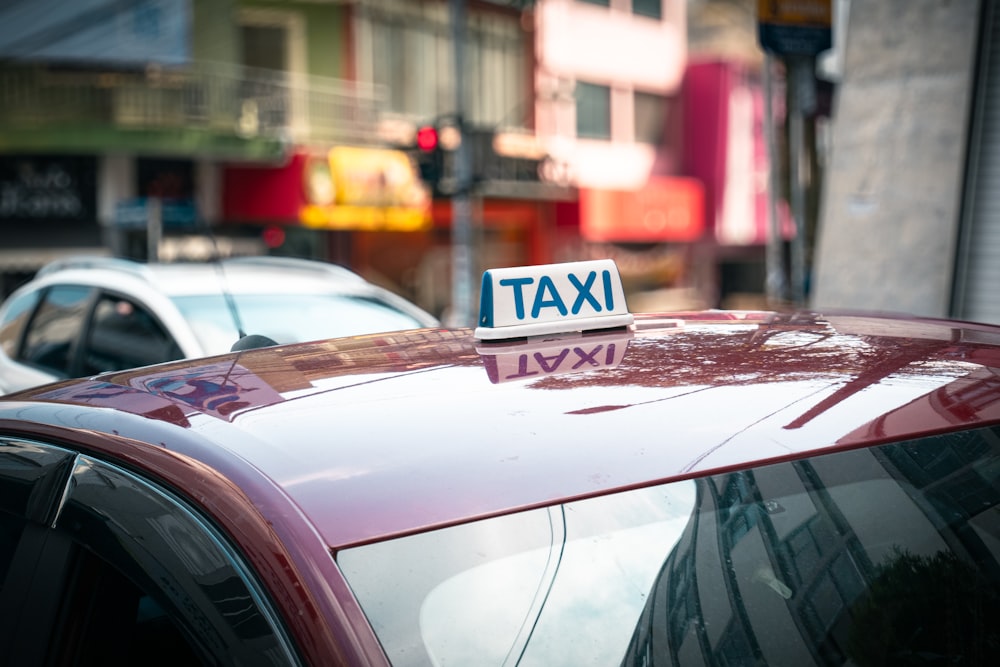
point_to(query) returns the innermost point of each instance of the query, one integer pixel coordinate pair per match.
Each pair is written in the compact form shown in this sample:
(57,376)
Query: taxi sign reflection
(537,359)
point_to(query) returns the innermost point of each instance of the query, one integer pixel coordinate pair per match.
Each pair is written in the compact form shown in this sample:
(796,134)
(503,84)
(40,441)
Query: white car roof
(237,275)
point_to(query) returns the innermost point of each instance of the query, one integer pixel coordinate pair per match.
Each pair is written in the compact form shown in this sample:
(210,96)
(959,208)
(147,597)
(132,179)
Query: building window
(273,56)
(593,111)
(405,49)
(650,118)
(602,3)
(650,8)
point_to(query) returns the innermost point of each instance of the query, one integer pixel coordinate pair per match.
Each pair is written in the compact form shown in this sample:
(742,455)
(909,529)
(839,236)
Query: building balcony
(215,111)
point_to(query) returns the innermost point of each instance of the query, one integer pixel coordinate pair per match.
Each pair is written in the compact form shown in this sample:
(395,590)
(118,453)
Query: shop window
(651,8)
(167,179)
(593,111)
(650,118)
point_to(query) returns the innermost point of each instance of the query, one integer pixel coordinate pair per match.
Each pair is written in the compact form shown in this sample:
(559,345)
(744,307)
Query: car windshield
(854,558)
(287,318)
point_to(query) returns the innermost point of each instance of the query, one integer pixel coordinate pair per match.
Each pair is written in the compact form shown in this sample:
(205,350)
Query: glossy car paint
(278,541)
(300,450)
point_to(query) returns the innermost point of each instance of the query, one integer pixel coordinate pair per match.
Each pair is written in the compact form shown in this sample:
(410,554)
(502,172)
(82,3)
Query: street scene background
(725,153)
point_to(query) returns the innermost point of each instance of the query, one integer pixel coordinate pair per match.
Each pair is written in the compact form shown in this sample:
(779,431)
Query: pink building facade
(668,154)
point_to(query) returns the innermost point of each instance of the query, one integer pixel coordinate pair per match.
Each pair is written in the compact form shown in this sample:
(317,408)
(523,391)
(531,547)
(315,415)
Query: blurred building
(135,128)
(609,107)
(664,140)
(131,128)
(909,217)
(117,119)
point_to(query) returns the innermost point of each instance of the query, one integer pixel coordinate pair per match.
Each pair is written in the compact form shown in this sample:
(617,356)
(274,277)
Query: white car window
(288,318)
(122,335)
(56,327)
(14,321)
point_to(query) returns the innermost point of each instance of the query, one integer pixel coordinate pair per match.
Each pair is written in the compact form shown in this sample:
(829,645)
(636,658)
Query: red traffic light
(427,138)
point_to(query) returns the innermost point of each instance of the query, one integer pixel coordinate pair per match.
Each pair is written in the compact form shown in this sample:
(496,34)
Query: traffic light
(429,156)
(427,138)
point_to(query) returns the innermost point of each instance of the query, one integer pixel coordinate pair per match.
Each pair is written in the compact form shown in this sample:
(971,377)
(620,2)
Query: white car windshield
(287,318)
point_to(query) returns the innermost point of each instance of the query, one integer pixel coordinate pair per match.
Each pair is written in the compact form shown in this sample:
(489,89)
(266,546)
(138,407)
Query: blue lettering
(611,354)
(609,297)
(545,285)
(583,292)
(517,284)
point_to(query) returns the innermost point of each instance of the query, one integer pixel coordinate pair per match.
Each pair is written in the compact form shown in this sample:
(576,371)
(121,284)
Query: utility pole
(796,31)
(154,228)
(802,89)
(461,204)
(776,283)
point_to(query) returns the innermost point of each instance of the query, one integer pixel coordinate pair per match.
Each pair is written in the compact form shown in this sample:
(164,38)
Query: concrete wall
(889,218)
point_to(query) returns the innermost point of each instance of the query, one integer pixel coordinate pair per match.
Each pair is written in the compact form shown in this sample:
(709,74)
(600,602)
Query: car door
(101,567)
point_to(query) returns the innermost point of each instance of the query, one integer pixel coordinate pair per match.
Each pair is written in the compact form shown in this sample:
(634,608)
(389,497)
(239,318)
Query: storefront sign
(795,27)
(666,209)
(348,188)
(364,188)
(48,188)
(174,214)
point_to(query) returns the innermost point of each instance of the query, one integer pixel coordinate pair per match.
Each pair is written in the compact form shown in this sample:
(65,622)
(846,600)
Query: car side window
(14,321)
(54,328)
(105,568)
(10,533)
(165,576)
(108,620)
(124,335)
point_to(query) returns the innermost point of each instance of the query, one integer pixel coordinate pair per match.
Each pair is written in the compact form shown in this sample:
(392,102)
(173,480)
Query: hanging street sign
(795,27)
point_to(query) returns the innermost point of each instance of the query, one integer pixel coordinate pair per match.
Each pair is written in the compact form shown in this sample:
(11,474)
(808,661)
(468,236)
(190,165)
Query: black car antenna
(221,270)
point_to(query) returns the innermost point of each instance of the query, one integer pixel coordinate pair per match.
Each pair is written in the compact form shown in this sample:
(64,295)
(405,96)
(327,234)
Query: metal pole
(776,284)
(803,103)
(461,207)
(154,228)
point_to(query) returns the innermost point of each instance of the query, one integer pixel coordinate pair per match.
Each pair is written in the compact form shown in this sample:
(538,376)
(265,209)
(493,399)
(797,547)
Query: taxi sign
(551,298)
(534,360)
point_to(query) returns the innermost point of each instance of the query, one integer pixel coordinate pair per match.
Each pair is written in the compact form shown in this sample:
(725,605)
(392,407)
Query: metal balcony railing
(219,98)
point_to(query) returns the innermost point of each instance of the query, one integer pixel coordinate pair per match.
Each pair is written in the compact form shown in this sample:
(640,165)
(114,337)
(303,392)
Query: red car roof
(390,434)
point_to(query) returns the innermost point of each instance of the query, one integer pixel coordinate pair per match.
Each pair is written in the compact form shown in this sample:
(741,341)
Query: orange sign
(665,209)
(364,188)
(795,12)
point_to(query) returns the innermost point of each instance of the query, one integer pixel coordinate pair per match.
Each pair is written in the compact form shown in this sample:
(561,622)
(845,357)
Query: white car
(83,316)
